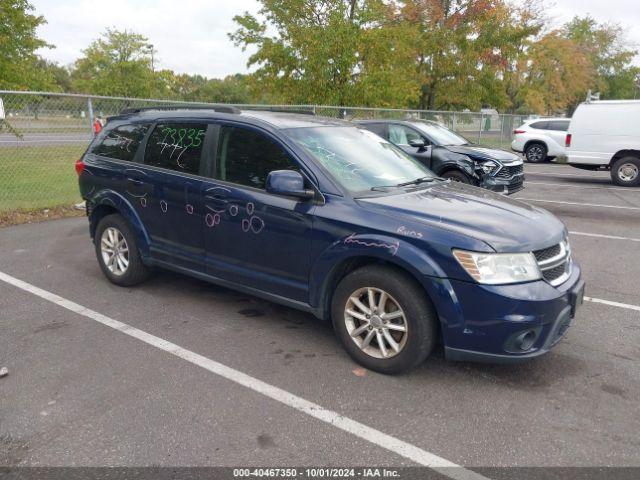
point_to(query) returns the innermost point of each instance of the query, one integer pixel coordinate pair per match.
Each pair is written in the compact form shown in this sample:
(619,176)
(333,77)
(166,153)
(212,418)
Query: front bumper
(486,322)
(506,186)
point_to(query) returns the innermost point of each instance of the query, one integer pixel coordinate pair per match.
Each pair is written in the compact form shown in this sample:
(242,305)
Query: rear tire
(405,306)
(458,176)
(536,153)
(117,252)
(626,172)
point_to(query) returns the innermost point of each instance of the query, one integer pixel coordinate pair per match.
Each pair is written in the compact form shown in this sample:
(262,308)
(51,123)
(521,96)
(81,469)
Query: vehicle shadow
(307,334)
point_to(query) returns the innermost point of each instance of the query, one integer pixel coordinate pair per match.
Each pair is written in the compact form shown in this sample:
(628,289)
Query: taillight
(515,132)
(79,166)
(567,141)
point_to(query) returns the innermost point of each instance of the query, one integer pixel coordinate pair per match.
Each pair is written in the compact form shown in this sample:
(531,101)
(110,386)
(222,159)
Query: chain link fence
(42,135)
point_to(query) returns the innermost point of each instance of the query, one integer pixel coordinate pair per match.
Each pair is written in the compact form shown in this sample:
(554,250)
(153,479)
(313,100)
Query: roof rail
(267,108)
(215,108)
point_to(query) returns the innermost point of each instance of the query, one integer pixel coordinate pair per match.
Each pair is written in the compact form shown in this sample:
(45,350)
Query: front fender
(114,200)
(441,165)
(402,253)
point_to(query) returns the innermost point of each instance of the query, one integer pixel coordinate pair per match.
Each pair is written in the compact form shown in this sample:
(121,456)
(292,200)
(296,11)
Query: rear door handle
(217,197)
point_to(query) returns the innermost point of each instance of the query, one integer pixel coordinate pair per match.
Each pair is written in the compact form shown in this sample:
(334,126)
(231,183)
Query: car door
(557,130)
(401,135)
(254,238)
(172,209)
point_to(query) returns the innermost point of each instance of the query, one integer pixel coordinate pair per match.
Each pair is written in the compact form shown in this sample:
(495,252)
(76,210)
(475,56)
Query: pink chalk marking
(250,208)
(163,206)
(392,247)
(233,210)
(257,225)
(246,225)
(189,209)
(143,202)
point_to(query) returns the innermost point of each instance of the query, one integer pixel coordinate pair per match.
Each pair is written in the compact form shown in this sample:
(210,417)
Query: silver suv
(541,139)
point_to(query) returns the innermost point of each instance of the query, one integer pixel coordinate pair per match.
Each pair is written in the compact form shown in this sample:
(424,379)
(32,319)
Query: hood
(505,224)
(483,153)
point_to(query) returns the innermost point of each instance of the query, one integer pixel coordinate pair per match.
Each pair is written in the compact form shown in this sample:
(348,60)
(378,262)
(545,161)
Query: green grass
(38,177)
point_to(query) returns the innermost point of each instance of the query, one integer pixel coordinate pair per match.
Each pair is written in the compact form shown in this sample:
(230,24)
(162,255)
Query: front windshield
(358,159)
(440,135)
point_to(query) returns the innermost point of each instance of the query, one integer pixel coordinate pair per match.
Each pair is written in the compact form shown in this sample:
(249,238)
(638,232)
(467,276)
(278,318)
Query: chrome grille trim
(548,265)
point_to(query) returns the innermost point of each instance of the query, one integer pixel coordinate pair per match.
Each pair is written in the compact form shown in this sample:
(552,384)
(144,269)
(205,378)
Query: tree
(610,54)
(462,47)
(117,64)
(18,43)
(339,52)
(557,75)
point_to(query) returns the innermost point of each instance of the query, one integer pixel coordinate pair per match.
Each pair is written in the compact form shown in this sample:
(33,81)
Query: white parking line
(613,304)
(392,444)
(553,174)
(595,187)
(599,235)
(576,203)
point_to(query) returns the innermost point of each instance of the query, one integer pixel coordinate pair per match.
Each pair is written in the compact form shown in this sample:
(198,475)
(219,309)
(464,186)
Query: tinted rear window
(121,142)
(560,125)
(176,146)
(539,125)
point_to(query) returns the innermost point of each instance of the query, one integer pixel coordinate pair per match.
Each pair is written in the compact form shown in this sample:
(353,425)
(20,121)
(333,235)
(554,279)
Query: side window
(121,142)
(560,125)
(401,135)
(377,128)
(176,146)
(539,125)
(246,157)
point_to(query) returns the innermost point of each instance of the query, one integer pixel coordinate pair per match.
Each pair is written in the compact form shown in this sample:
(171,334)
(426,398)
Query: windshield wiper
(417,181)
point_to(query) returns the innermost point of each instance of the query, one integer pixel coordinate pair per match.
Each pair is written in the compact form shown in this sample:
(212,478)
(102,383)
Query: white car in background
(541,139)
(605,135)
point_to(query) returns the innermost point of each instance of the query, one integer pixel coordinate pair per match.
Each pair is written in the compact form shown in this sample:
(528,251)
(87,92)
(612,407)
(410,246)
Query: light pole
(151,51)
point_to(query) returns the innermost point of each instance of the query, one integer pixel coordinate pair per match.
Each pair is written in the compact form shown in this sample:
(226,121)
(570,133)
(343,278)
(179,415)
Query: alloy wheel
(534,154)
(376,323)
(114,251)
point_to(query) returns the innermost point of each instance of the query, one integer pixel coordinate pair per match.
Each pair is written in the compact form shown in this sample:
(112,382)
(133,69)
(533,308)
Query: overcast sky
(190,36)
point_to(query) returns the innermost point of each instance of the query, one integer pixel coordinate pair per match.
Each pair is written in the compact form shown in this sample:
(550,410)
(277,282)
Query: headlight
(489,166)
(499,268)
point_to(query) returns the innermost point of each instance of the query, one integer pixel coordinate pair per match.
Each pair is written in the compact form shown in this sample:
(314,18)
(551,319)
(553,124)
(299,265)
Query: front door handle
(135,181)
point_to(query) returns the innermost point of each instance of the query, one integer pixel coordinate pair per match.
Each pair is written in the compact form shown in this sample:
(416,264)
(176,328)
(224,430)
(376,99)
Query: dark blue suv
(329,218)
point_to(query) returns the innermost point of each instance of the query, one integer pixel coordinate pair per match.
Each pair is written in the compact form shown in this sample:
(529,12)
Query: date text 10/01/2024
(321,472)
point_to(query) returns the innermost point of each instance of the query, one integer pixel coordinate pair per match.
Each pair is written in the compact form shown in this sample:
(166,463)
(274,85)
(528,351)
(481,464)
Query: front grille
(554,273)
(509,171)
(515,185)
(554,262)
(547,253)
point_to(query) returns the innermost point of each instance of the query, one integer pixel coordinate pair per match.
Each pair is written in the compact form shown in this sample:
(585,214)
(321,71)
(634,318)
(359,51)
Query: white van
(605,134)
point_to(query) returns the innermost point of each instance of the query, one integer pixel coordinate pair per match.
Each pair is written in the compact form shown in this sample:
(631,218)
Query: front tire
(536,153)
(626,172)
(384,319)
(458,176)
(117,252)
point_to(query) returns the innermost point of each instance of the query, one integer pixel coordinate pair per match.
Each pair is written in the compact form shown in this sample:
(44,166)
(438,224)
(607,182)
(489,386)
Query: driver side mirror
(417,143)
(288,183)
